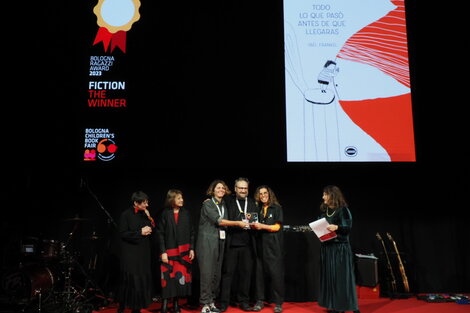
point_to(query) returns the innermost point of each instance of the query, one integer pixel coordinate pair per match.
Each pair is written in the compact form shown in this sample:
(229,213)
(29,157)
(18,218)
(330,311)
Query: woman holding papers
(337,280)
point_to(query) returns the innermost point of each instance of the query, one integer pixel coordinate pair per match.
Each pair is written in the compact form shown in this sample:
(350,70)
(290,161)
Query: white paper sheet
(319,228)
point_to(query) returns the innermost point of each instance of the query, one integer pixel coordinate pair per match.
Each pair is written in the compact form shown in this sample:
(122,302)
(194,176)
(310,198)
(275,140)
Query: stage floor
(381,305)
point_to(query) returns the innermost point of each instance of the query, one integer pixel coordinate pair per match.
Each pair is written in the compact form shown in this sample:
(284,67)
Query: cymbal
(92,237)
(75,219)
(31,238)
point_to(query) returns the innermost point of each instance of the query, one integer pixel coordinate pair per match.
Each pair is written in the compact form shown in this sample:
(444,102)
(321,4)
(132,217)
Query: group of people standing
(239,244)
(240,238)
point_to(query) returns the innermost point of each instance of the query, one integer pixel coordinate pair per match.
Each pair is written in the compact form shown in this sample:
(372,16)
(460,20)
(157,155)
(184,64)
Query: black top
(135,248)
(236,235)
(172,235)
(341,217)
(269,243)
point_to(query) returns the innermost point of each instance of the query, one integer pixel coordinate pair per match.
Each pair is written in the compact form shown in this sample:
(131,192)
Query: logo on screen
(106,149)
(115,18)
(350,151)
(99,145)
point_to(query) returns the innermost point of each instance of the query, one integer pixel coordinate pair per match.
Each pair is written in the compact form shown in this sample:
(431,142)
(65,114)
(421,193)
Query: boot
(165,306)
(121,308)
(176,307)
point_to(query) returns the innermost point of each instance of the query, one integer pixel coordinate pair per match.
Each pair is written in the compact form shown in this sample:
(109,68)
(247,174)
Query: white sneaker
(206,309)
(213,308)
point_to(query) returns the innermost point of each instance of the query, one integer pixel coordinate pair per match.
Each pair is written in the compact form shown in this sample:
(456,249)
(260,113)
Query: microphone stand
(110,218)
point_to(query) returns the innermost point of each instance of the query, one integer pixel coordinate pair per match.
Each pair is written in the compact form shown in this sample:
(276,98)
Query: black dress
(135,287)
(176,239)
(270,258)
(337,278)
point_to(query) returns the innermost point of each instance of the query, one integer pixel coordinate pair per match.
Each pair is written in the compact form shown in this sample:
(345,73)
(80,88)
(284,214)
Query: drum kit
(50,278)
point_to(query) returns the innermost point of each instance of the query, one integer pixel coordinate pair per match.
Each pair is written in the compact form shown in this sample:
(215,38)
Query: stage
(381,305)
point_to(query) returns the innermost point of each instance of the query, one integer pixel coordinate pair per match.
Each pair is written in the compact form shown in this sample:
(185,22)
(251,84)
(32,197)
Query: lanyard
(240,208)
(221,211)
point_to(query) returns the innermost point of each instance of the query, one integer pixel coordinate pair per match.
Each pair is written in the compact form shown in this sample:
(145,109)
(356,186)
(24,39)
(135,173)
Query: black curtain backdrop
(179,135)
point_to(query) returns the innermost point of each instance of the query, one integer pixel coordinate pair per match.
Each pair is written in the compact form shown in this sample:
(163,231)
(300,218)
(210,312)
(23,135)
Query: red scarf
(149,217)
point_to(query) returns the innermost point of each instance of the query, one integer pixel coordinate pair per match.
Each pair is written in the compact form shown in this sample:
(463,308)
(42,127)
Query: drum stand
(38,292)
(75,298)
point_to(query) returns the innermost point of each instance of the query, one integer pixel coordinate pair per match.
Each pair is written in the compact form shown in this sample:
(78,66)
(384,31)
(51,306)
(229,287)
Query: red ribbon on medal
(117,39)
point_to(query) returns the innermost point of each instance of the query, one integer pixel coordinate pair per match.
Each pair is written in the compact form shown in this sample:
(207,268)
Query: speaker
(366,270)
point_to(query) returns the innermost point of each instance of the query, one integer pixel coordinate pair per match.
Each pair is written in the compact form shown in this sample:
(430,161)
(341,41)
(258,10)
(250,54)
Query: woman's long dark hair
(272,196)
(211,188)
(336,198)
(170,197)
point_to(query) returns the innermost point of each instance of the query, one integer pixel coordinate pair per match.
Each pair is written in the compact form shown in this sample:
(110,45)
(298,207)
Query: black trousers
(238,265)
(270,276)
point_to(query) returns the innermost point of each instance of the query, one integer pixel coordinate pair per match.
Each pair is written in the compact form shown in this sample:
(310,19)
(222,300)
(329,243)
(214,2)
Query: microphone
(82,182)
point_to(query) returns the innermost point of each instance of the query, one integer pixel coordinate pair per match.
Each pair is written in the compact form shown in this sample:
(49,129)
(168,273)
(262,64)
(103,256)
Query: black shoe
(245,307)
(164,306)
(258,306)
(278,308)
(223,307)
(176,307)
(120,309)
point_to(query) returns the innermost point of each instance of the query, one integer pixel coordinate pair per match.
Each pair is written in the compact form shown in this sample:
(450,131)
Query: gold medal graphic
(115,18)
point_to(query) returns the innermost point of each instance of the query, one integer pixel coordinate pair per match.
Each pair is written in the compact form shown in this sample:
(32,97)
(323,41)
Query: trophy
(252,217)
